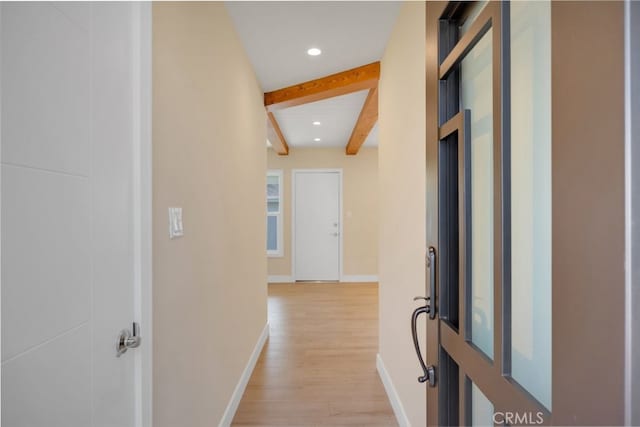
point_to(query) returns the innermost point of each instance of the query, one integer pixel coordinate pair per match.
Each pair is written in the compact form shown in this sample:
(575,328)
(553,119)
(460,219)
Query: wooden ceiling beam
(278,143)
(367,119)
(356,79)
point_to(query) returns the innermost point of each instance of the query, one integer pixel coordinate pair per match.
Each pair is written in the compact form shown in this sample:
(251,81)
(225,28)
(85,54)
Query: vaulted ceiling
(277,35)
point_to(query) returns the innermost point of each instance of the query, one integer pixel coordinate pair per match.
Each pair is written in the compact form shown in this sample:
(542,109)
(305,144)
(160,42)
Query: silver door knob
(336,234)
(127,340)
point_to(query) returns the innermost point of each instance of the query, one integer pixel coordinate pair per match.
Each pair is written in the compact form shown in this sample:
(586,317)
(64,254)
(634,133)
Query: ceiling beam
(278,143)
(367,119)
(356,79)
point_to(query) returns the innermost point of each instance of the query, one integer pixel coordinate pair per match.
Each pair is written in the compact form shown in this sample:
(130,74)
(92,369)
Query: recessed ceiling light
(316,123)
(314,51)
(316,139)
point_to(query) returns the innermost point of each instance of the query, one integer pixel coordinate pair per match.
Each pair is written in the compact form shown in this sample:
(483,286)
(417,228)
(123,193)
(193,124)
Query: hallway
(319,365)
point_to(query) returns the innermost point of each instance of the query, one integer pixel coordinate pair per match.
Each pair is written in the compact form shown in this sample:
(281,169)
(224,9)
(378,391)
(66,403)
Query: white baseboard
(345,278)
(280,279)
(359,278)
(396,404)
(232,407)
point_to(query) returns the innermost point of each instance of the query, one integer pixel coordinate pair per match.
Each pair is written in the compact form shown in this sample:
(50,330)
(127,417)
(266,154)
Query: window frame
(279,251)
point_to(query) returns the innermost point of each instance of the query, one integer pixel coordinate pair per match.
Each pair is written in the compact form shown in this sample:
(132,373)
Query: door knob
(335,233)
(127,340)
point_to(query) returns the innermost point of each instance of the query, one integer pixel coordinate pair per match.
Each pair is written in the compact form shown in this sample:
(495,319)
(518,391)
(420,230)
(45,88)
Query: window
(274,213)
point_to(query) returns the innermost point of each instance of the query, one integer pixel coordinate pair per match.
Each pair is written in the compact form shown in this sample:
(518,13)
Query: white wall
(402,175)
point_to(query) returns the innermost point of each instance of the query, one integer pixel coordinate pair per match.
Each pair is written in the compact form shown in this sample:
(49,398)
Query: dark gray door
(469,154)
(501,340)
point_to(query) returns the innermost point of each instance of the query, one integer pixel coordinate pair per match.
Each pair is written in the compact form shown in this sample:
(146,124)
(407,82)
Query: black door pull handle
(414,333)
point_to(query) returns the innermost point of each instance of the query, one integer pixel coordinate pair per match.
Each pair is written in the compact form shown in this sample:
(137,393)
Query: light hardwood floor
(319,366)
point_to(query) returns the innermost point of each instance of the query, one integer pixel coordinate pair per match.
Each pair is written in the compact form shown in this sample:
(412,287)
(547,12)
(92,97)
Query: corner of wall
(238,392)
(392,393)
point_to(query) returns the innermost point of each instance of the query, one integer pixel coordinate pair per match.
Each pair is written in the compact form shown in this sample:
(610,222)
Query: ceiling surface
(276,36)
(334,114)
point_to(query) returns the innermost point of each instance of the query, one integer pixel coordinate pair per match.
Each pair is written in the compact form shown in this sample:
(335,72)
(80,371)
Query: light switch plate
(175,223)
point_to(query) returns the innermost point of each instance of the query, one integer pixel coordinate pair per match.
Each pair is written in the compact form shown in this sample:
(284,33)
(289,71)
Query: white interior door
(68,121)
(317,225)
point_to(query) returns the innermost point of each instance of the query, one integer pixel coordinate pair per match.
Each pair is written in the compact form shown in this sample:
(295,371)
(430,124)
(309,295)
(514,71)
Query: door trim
(294,172)
(632,204)
(141,23)
(0,212)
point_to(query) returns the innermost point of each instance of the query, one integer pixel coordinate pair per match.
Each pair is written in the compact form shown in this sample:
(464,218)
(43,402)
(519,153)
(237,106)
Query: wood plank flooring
(319,366)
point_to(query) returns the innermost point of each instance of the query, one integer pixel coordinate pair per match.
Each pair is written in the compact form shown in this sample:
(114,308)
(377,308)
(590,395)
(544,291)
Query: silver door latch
(127,340)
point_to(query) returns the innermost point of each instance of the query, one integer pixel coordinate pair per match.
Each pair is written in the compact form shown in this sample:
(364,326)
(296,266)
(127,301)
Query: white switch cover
(175,223)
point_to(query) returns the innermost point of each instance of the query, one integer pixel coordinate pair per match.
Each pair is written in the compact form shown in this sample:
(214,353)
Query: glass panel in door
(531,197)
(476,95)
(481,408)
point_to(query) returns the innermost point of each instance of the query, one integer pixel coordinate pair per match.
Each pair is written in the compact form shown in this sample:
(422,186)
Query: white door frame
(142,205)
(294,172)
(0,211)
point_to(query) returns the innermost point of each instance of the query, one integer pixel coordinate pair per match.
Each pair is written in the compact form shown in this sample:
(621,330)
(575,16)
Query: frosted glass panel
(273,186)
(272,233)
(273,206)
(531,197)
(273,190)
(481,408)
(476,94)
(475,10)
